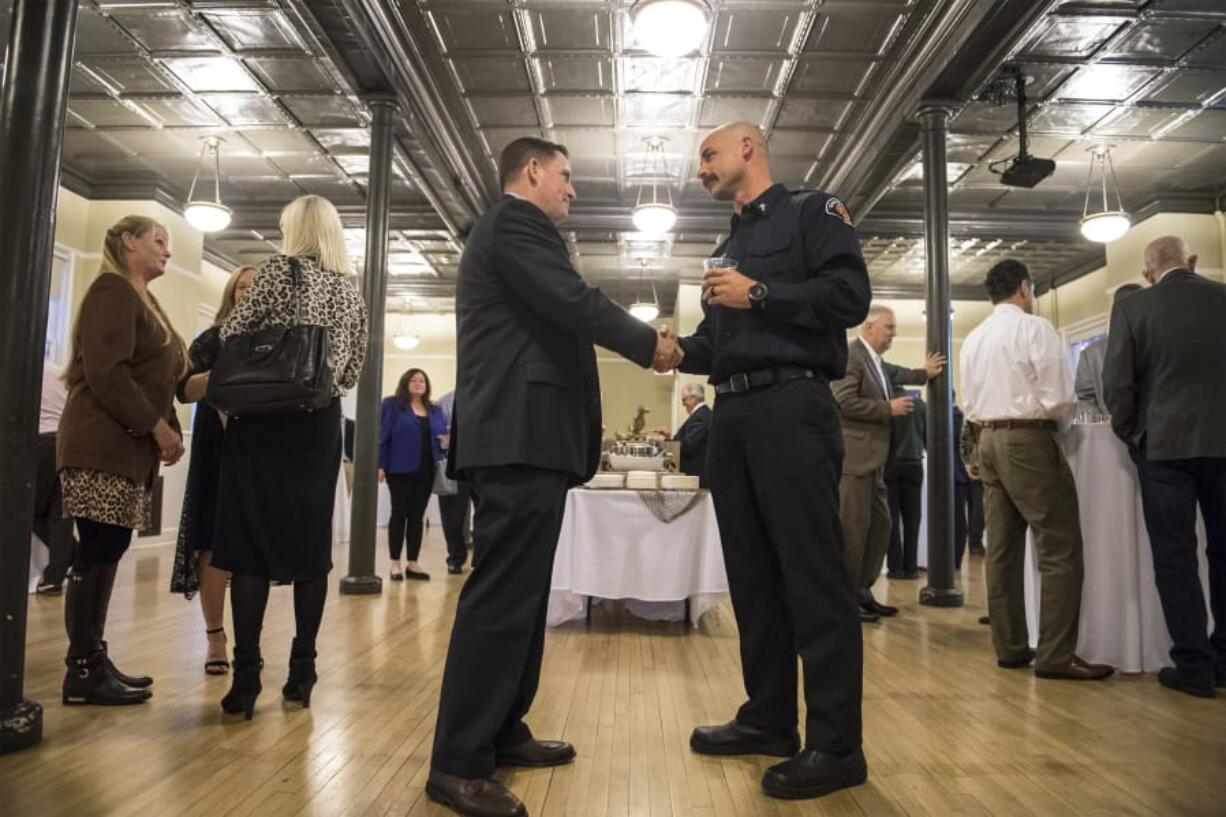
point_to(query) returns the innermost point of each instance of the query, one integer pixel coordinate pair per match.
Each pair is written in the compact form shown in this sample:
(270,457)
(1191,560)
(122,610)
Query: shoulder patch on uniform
(839,210)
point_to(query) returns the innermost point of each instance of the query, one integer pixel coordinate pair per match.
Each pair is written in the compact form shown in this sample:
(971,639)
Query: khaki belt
(1045,425)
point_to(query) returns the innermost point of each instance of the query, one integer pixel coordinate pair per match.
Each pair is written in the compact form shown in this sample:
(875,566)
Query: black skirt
(199,500)
(278,485)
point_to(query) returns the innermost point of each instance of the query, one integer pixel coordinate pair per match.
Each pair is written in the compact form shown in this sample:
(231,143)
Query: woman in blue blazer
(412,438)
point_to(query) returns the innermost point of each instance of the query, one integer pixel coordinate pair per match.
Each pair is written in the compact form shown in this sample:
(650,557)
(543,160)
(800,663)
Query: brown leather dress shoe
(536,754)
(1077,670)
(473,796)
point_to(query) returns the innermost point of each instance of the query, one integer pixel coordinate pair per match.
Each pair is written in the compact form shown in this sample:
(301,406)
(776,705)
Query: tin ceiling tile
(571,29)
(1190,87)
(290,75)
(868,32)
(1105,82)
(254,29)
(97,35)
(474,28)
(129,75)
(165,30)
(727,73)
(657,110)
(179,112)
(659,75)
(497,73)
(831,76)
(1077,37)
(211,73)
(798,112)
(102,113)
(246,109)
(1163,39)
(323,111)
(576,72)
(716,111)
(754,29)
(581,111)
(504,111)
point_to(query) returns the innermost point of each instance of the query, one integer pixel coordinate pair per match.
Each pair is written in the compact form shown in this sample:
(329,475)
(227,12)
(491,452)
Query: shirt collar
(872,353)
(515,195)
(761,207)
(1162,275)
(1008,308)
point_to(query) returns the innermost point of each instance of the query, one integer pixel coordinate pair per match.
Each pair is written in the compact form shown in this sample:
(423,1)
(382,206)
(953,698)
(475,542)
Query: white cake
(641,480)
(607,480)
(678,482)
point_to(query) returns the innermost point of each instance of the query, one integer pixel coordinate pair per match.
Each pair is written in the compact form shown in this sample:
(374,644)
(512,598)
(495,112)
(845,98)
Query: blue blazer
(400,437)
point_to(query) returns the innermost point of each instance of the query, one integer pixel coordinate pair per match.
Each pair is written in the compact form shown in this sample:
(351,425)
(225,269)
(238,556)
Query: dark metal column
(32,106)
(363,523)
(941,591)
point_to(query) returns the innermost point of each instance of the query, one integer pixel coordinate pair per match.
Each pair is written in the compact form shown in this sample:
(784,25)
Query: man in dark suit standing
(693,432)
(866,405)
(1165,390)
(525,428)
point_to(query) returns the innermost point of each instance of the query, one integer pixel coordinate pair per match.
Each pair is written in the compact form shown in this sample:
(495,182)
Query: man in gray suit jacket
(1089,380)
(1165,390)
(864,402)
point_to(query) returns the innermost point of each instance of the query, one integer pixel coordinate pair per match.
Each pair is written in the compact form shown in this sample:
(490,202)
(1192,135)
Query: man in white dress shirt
(1017,392)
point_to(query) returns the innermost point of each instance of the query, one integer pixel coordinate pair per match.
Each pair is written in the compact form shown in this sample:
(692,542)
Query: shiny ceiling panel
(1077,37)
(324,111)
(289,75)
(1207,125)
(474,27)
(1137,122)
(799,112)
(857,33)
(801,142)
(102,113)
(246,109)
(165,30)
(1165,40)
(179,112)
(716,111)
(211,73)
(96,35)
(485,74)
(575,110)
(571,29)
(1070,119)
(576,72)
(1190,87)
(503,111)
(655,75)
(255,30)
(127,75)
(657,111)
(819,75)
(747,27)
(1109,83)
(735,74)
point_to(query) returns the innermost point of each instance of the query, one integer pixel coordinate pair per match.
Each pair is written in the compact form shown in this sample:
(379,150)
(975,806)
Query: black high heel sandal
(245,687)
(216,666)
(300,682)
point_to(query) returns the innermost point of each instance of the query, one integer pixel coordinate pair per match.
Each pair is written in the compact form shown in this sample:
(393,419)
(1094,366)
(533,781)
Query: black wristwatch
(758,293)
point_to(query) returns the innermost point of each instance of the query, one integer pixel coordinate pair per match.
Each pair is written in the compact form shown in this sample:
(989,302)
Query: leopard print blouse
(329,299)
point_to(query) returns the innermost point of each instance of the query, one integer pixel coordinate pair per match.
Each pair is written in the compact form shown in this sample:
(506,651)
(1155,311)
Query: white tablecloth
(384,509)
(1121,615)
(613,547)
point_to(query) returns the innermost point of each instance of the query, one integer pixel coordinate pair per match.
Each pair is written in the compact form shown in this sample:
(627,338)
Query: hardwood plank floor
(946,733)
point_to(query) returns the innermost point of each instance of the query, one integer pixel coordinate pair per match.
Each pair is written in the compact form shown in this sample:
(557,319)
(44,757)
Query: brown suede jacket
(121,380)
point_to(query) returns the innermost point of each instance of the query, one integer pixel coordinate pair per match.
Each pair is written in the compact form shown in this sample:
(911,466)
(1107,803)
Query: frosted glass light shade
(670,28)
(645,311)
(654,218)
(207,216)
(1105,227)
(406,342)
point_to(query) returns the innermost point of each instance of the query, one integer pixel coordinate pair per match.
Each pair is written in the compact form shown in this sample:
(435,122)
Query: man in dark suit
(866,407)
(525,428)
(693,432)
(1165,390)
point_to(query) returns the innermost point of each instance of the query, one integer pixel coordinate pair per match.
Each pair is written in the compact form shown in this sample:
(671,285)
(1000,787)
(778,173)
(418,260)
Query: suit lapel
(871,368)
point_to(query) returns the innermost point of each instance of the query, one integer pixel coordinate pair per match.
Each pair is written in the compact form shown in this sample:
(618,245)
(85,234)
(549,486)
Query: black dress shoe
(454,569)
(416,575)
(895,574)
(536,754)
(473,796)
(911,575)
(734,738)
(868,617)
(984,620)
(1199,685)
(1077,670)
(1020,661)
(883,610)
(1219,677)
(813,774)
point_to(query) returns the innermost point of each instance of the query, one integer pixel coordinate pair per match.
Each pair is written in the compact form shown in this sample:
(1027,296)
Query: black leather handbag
(276,370)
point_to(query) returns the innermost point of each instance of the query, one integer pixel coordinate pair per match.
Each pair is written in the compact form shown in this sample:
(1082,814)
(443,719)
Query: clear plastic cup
(719,262)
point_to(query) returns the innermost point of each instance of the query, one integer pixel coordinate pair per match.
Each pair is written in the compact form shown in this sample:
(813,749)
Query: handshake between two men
(722,285)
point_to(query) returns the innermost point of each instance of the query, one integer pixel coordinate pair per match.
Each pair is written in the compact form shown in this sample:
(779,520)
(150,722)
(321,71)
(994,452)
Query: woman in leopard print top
(279,472)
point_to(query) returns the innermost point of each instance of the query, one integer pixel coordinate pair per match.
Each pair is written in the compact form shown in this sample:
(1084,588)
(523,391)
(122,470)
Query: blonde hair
(311,227)
(115,262)
(228,294)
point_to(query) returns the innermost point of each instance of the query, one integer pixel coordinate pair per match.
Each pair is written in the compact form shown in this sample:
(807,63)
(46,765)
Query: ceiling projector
(1027,171)
(1023,170)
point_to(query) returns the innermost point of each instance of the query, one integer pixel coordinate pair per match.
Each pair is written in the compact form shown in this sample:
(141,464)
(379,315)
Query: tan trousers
(864,509)
(1027,483)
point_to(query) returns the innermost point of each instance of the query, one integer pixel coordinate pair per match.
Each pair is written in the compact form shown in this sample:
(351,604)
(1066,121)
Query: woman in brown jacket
(118,424)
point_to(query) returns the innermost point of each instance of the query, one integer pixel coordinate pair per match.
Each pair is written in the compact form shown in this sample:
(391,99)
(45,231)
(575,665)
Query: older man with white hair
(692,434)
(866,408)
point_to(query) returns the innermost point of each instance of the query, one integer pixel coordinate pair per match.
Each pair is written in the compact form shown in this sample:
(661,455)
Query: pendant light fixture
(208,216)
(1107,225)
(670,28)
(646,311)
(406,342)
(652,214)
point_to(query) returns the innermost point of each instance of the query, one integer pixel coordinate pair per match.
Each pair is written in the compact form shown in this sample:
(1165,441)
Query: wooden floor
(945,732)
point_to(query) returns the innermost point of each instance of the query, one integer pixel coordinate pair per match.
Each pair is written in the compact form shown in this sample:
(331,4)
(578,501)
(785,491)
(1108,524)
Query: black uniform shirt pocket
(769,255)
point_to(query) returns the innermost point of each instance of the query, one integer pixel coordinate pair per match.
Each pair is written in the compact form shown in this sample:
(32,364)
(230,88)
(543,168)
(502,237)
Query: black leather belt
(748,381)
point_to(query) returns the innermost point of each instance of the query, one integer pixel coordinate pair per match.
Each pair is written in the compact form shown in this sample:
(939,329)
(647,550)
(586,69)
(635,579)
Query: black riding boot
(88,679)
(107,571)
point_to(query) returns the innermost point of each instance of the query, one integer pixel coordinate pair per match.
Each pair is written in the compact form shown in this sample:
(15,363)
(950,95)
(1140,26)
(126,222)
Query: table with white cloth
(612,546)
(1121,614)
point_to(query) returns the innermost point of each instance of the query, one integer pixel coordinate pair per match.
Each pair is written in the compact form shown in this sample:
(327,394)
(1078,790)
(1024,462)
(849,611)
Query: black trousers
(904,484)
(49,523)
(410,495)
(1170,493)
(974,516)
(774,457)
(454,509)
(498,637)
